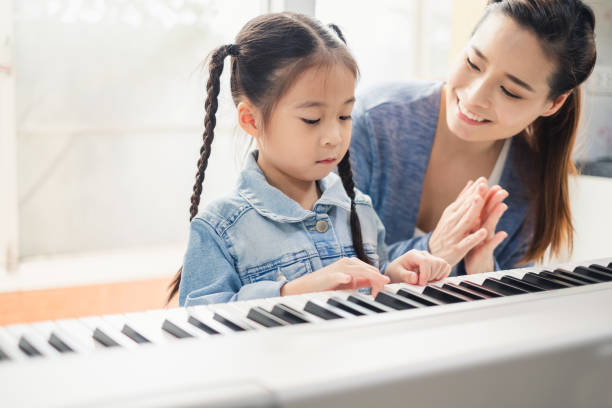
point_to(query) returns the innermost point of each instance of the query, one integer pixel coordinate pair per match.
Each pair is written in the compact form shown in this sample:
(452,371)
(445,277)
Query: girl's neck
(449,143)
(305,193)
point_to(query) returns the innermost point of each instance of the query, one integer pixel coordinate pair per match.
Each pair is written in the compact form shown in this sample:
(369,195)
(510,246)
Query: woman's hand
(347,273)
(480,258)
(417,268)
(459,229)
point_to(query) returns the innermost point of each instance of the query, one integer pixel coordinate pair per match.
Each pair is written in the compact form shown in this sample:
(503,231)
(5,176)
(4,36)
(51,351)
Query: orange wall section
(79,301)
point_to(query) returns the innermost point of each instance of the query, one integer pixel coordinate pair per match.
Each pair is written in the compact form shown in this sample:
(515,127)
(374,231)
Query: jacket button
(321,226)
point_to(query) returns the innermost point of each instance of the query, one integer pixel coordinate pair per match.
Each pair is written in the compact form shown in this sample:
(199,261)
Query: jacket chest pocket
(279,269)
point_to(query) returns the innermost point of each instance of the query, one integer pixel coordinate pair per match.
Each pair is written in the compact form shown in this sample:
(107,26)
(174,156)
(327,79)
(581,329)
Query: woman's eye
(510,94)
(471,64)
(347,117)
(311,121)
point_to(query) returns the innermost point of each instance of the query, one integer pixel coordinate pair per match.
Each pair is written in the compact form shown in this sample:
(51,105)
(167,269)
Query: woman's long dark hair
(269,53)
(565,29)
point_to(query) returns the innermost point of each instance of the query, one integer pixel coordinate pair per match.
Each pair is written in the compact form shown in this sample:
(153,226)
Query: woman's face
(499,83)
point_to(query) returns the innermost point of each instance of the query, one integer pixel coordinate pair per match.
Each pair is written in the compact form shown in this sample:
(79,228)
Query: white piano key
(232,314)
(144,325)
(34,338)
(179,317)
(241,309)
(116,335)
(206,316)
(322,303)
(82,333)
(10,346)
(48,329)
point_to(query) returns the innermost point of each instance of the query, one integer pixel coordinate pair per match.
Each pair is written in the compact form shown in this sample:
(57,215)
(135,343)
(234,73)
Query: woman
(508,112)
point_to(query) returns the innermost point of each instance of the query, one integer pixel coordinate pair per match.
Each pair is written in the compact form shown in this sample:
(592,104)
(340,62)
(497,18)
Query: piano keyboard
(406,341)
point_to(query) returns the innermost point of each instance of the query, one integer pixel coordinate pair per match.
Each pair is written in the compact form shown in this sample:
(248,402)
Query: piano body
(537,337)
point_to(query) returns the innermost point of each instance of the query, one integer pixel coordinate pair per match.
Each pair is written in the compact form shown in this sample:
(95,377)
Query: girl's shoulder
(399,94)
(223,212)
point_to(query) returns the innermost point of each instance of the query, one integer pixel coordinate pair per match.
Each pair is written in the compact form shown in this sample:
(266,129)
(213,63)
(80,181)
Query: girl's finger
(409,277)
(424,272)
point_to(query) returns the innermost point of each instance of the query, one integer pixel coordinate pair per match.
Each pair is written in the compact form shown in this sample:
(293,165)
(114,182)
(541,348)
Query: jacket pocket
(290,266)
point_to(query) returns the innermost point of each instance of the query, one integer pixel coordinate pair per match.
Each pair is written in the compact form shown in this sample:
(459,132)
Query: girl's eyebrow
(509,76)
(317,104)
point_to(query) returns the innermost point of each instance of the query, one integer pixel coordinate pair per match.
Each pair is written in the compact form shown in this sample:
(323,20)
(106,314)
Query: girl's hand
(459,229)
(480,258)
(347,273)
(417,268)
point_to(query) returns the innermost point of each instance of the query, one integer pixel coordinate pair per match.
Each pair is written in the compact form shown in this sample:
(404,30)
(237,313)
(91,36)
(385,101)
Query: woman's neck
(304,192)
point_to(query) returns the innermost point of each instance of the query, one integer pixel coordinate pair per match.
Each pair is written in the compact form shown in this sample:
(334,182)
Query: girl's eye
(510,94)
(311,121)
(471,64)
(347,117)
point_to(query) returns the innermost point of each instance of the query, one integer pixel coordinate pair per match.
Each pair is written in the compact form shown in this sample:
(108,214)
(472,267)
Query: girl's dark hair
(269,53)
(565,29)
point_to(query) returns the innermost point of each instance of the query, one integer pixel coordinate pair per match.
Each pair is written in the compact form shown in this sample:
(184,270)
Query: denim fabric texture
(393,132)
(248,244)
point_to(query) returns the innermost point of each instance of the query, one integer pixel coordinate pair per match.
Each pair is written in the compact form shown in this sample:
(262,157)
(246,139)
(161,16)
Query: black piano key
(265,318)
(576,276)
(581,270)
(600,268)
(194,321)
(418,297)
(289,314)
(529,287)
(4,356)
(444,295)
(480,289)
(556,275)
(367,303)
(59,344)
(464,291)
(503,288)
(178,332)
(233,323)
(320,311)
(134,335)
(344,305)
(104,339)
(395,302)
(547,283)
(28,348)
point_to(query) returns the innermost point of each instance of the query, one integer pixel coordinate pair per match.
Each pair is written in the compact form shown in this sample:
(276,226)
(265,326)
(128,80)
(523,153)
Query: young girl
(291,225)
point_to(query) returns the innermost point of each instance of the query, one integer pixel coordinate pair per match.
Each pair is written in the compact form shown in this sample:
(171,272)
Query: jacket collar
(272,203)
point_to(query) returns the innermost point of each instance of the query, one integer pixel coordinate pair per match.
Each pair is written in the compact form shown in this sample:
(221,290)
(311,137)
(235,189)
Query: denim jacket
(248,244)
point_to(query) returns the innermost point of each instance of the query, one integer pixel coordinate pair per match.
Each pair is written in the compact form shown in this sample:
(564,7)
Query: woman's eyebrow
(509,76)
(316,104)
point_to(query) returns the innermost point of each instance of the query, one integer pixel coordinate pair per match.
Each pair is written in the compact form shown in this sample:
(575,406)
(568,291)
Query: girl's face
(499,83)
(309,129)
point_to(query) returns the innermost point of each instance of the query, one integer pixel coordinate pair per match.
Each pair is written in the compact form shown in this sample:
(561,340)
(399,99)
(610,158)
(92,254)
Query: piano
(537,337)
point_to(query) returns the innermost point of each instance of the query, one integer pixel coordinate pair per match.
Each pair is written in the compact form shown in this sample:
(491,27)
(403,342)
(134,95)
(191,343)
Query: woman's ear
(248,118)
(556,104)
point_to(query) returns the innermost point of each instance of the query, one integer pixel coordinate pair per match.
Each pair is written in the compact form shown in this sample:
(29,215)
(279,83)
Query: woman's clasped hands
(466,229)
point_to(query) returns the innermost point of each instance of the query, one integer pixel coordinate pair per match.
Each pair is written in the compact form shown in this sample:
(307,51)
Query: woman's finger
(472,240)
(470,219)
(490,223)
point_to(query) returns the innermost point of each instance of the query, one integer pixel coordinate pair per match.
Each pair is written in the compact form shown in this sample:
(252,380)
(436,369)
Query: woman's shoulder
(395,95)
